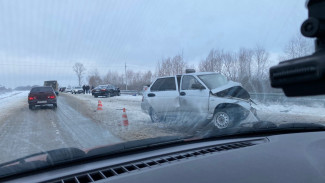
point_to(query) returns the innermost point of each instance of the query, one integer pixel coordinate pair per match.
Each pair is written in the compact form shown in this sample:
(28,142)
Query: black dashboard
(296,157)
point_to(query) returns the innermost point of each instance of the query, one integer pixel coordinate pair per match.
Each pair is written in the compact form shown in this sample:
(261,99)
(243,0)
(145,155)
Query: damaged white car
(203,96)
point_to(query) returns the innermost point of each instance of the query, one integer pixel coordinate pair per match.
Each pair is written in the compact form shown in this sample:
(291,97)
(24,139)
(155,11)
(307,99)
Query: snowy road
(25,132)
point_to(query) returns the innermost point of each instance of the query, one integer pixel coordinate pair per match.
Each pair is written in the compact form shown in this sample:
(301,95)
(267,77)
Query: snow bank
(11,101)
(292,109)
(140,125)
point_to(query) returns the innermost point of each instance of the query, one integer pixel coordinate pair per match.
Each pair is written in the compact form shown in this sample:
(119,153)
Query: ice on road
(31,131)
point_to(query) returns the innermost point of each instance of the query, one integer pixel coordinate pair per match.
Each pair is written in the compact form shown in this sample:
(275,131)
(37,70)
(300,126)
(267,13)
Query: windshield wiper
(264,128)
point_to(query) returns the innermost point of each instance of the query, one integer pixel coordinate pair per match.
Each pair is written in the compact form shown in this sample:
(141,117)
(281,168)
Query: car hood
(226,86)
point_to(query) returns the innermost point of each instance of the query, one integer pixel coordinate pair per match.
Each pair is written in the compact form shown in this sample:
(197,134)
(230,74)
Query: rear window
(42,89)
(164,84)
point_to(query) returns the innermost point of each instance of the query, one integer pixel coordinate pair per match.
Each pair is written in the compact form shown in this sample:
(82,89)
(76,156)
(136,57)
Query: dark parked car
(106,91)
(40,96)
(62,89)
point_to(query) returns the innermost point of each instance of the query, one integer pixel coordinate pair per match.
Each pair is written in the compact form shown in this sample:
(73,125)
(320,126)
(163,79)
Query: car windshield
(182,69)
(213,80)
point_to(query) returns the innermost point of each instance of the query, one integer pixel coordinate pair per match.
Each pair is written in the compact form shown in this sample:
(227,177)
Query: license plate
(42,102)
(96,92)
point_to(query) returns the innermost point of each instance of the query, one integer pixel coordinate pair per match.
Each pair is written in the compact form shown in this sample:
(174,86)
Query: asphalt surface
(26,131)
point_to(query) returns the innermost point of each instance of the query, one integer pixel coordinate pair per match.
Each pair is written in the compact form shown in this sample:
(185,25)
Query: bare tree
(171,66)
(230,67)
(94,78)
(79,69)
(261,59)
(213,62)
(298,46)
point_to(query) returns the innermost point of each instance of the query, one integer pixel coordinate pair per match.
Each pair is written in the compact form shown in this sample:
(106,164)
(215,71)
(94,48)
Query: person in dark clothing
(87,89)
(84,88)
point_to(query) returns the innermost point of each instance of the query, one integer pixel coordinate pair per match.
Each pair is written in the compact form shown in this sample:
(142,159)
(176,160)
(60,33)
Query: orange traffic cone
(125,118)
(100,106)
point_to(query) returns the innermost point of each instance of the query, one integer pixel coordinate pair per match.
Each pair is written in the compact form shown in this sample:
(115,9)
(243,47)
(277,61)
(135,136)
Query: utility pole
(126,80)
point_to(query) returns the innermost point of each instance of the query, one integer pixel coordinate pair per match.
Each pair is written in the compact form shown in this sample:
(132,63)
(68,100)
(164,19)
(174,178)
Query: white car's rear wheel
(155,118)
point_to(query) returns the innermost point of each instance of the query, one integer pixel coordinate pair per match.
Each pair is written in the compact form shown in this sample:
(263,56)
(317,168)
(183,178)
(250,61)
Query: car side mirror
(197,86)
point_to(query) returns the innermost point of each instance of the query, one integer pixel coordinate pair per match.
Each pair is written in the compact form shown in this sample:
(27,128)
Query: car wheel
(155,118)
(55,106)
(221,119)
(31,107)
(95,96)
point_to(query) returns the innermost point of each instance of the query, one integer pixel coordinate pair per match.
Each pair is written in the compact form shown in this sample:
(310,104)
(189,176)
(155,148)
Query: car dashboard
(296,157)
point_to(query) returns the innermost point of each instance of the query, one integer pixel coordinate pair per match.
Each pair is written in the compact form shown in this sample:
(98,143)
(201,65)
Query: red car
(40,96)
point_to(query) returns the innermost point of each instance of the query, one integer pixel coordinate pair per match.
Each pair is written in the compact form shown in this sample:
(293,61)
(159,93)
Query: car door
(194,97)
(163,96)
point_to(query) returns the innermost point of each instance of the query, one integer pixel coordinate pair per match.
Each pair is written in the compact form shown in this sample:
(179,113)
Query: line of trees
(249,66)
(135,80)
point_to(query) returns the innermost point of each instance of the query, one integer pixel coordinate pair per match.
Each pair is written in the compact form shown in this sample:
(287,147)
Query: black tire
(155,118)
(31,107)
(55,106)
(95,96)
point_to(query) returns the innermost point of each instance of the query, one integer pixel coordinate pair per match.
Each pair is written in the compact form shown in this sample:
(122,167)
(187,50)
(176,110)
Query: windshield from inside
(213,80)
(142,50)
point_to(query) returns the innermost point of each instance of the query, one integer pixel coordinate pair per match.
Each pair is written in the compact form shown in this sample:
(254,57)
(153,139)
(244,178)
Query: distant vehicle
(40,96)
(77,90)
(54,84)
(106,91)
(68,90)
(205,95)
(62,89)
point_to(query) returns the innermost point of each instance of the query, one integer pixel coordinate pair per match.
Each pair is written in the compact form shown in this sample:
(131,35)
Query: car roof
(191,74)
(200,73)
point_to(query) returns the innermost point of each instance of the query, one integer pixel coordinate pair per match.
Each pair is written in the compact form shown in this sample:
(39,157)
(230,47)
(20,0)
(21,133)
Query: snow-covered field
(10,102)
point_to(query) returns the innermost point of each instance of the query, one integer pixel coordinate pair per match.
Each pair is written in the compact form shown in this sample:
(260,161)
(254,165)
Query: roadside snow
(10,102)
(292,109)
(140,125)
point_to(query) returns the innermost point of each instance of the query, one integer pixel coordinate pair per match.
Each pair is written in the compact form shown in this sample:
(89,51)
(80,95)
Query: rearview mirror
(197,86)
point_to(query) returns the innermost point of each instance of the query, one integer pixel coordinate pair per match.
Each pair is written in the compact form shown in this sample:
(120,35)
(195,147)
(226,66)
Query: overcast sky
(41,40)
